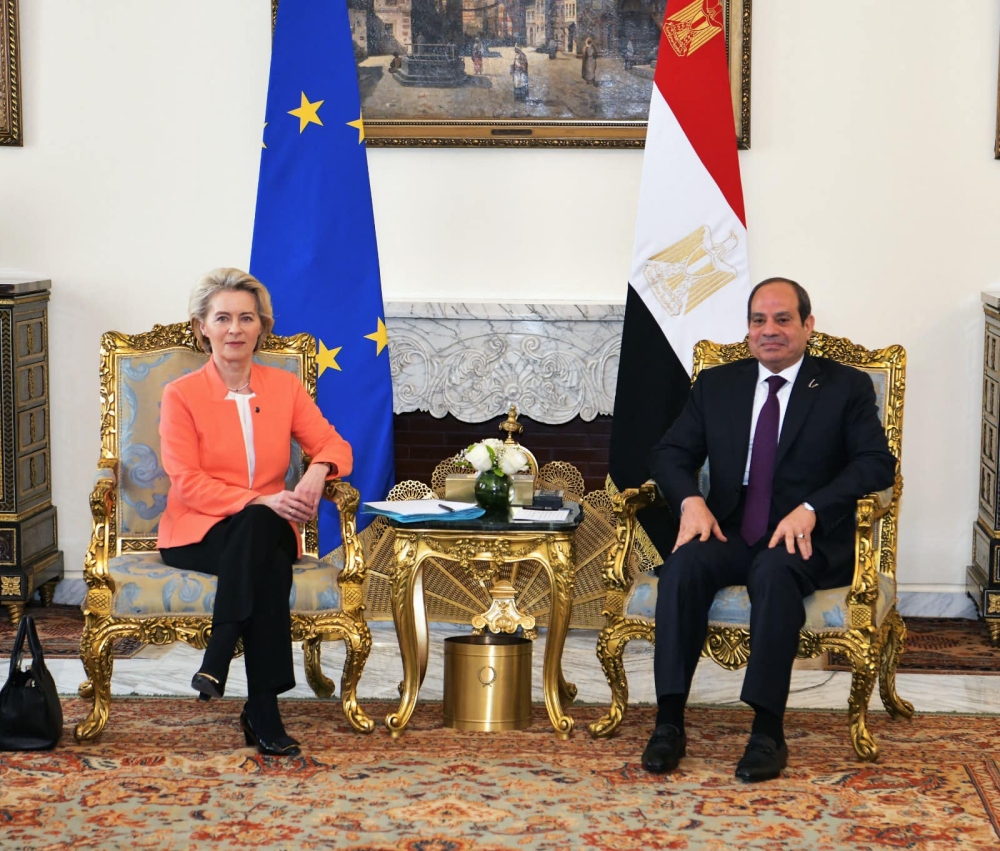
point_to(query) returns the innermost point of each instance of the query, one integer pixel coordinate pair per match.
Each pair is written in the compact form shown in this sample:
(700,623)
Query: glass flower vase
(493,490)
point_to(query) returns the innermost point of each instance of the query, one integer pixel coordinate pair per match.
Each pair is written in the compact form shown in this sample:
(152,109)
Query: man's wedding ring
(800,536)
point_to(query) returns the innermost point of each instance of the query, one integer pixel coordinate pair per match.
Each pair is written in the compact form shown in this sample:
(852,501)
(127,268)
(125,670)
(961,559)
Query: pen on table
(445,507)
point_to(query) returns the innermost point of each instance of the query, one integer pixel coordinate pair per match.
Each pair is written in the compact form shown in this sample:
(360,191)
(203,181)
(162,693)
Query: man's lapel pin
(814,383)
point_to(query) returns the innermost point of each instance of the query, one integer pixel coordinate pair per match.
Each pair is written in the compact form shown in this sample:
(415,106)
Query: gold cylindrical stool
(487,682)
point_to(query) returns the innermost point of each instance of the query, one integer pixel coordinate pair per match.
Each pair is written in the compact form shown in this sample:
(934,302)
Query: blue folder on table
(422,510)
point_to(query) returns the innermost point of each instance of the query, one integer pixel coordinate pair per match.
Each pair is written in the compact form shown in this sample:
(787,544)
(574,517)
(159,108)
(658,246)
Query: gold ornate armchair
(858,621)
(132,593)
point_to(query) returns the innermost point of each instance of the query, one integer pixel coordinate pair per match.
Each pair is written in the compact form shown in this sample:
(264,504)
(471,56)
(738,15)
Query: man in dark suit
(792,443)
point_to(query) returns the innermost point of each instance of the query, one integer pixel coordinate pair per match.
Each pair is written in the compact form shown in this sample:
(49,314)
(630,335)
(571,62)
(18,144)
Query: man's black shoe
(665,748)
(762,760)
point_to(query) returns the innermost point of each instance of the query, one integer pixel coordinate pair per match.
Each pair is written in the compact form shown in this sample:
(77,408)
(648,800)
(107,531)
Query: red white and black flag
(690,275)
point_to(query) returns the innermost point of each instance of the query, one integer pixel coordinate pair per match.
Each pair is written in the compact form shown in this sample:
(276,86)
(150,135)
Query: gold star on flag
(262,141)
(307,113)
(360,125)
(380,337)
(327,358)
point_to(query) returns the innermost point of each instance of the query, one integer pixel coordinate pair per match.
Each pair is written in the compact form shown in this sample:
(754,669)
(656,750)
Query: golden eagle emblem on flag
(693,26)
(689,271)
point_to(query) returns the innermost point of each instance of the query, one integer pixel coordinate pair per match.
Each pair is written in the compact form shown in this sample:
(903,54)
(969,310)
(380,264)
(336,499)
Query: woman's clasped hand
(302,504)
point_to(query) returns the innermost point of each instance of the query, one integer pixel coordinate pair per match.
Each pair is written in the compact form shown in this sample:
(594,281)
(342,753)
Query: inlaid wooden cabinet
(30,559)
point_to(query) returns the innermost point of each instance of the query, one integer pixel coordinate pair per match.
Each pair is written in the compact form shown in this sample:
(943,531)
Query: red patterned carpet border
(173,773)
(59,629)
(941,646)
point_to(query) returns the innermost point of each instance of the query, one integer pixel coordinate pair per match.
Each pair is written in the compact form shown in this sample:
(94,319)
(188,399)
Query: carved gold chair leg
(97,654)
(895,641)
(611,645)
(320,683)
(312,631)
(359,645)
(864,662)
(16,612)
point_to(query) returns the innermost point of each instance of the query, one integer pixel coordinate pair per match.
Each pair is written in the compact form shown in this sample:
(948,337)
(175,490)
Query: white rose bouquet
(493,454)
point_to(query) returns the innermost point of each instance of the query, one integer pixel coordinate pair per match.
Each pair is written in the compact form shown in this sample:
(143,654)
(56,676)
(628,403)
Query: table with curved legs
(481,552)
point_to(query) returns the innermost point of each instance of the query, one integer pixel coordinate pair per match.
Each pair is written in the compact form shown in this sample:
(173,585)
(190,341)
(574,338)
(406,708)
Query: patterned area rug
(59,629)
(170,773)
(941,646)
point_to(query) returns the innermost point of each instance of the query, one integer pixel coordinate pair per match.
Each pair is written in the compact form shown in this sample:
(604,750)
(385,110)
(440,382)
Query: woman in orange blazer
(225,433)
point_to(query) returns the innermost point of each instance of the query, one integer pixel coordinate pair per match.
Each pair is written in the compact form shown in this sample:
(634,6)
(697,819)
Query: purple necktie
(757,509)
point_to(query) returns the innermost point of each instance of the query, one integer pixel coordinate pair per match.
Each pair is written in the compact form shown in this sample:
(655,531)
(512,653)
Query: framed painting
(523,73)
(10,77)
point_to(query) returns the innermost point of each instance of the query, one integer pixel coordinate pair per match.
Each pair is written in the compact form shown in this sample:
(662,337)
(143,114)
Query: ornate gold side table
(30,559)
(480,547)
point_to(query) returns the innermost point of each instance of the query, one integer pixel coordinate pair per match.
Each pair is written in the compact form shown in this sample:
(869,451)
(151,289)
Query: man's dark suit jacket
(832,450)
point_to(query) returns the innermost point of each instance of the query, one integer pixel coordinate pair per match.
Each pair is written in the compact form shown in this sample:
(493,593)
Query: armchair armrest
(102,539)
(107,470)
(624,506)
(883,500)
(348,499)
(871,510)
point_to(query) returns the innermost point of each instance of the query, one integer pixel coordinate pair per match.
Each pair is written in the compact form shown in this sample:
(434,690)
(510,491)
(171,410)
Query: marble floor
(168,670)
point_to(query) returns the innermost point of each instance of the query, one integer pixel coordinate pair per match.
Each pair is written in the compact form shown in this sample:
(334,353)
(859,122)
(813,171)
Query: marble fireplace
(457,368)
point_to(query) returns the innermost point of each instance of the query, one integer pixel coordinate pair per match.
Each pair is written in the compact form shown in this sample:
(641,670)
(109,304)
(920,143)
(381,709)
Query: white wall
(871,180)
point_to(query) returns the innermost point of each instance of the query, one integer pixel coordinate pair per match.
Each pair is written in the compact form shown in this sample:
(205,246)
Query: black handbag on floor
(31,716)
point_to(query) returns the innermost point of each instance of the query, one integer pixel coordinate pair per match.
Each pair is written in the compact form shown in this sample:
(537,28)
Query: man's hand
(796,528)
(696,522)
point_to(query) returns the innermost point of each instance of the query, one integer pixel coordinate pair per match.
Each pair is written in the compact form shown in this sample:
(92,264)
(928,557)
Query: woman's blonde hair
(220,280)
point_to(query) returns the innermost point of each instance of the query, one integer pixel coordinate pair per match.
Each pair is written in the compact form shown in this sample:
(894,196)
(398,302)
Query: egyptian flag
(690,276)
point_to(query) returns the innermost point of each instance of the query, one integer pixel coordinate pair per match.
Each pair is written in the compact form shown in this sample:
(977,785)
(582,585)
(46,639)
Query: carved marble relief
(473,360)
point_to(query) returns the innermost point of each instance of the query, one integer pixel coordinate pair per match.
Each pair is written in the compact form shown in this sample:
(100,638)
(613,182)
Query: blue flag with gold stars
(314,235)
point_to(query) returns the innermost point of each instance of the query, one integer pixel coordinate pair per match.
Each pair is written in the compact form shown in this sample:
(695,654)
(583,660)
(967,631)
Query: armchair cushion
(145,586)
(826,611)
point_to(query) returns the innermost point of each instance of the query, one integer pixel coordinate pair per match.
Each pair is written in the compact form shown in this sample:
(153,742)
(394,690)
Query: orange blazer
(205,457)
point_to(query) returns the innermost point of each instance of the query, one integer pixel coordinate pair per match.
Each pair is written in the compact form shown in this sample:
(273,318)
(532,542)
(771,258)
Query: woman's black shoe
(218,655)
(207,686)
(281,746)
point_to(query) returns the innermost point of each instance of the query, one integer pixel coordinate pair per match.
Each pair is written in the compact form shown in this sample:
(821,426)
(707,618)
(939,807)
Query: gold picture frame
(10,77)
(612,114)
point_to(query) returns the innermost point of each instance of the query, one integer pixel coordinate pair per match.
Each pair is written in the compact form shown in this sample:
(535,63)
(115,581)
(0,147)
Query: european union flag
(314,234)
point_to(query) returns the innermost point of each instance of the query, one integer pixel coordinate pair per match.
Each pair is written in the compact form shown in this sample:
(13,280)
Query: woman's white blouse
(246,421)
